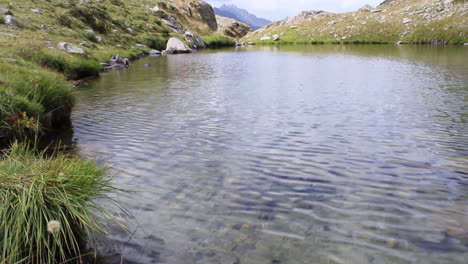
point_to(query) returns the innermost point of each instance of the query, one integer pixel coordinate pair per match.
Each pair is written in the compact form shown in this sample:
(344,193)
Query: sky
(280,9)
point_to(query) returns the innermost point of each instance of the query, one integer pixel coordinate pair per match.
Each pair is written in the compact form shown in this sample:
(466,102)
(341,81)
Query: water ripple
(238,160)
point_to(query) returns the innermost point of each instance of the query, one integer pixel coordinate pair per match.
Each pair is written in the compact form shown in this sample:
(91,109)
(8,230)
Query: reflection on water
(321,154)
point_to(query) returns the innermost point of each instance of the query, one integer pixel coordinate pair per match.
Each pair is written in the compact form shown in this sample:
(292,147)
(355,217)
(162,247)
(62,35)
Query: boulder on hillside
(176,46)
(195,41)
(70,48)
(172,22)
(191,14)
(207,14)
(5,11)
(231,27)
(11,20)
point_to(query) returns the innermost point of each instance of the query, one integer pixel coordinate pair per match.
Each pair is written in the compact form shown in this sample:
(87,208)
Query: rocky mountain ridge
(415,21)
(232,28)
(241,15)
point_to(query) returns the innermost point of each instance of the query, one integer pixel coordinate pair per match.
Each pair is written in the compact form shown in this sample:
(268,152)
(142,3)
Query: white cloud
(279,9)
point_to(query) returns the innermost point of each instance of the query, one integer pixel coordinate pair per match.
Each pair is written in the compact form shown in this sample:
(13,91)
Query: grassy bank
(48,211)
(34,69)
(218,41)
(409,21)
(35,72)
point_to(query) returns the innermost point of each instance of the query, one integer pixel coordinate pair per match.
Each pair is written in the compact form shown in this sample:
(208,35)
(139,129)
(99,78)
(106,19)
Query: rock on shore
(176,46)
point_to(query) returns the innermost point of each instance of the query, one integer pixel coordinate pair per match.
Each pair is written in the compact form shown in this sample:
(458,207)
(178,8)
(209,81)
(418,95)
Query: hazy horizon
(279,9)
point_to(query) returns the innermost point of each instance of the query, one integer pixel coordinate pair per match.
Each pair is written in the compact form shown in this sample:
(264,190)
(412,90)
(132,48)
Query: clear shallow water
(309,154)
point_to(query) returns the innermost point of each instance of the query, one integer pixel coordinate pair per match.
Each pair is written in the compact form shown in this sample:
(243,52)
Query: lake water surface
(293,154)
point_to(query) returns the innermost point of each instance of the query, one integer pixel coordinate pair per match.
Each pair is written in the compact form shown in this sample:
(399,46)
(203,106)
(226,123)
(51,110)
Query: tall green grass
(217,41)
(72,66)
(437,33)
(48,209)
(31,95)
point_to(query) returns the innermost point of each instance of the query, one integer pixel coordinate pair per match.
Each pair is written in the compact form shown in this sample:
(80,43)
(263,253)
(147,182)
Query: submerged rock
(70,48)
(176,46)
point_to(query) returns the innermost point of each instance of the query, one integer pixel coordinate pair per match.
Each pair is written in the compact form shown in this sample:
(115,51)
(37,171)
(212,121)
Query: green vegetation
(33,70)
(155,43)
(47,207)
(218,40)
(30,95)
(408,21)
(438,33)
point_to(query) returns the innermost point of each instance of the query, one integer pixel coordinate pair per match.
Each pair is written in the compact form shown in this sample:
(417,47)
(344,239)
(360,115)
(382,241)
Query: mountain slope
(412,21)
(43,43)
(241,15)
(232,28)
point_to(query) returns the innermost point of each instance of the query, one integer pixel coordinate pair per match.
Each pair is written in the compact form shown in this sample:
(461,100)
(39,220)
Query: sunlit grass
(48,209)
(218,40)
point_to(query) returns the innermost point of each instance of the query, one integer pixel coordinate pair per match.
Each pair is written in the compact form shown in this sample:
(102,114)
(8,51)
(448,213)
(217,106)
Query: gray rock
(5,11)
(232,28)
(140,45)
(88,44)
(207,15)
(195,41)
(175,46)
(466,44)
(99,40)
(35,10)
(117,62)
(154,53)
(156,10)
(129,30)
(265,38)
(407,21)
(89,31)
(70,48)
(11,20)
(251,43)
(376,10)
(172,22)
(276,37)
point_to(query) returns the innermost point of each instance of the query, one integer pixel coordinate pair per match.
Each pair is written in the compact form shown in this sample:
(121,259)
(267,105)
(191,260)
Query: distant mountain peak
(242,15)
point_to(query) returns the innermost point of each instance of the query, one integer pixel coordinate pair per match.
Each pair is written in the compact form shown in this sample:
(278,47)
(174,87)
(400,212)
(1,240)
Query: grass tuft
(48,212)
(155,43)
